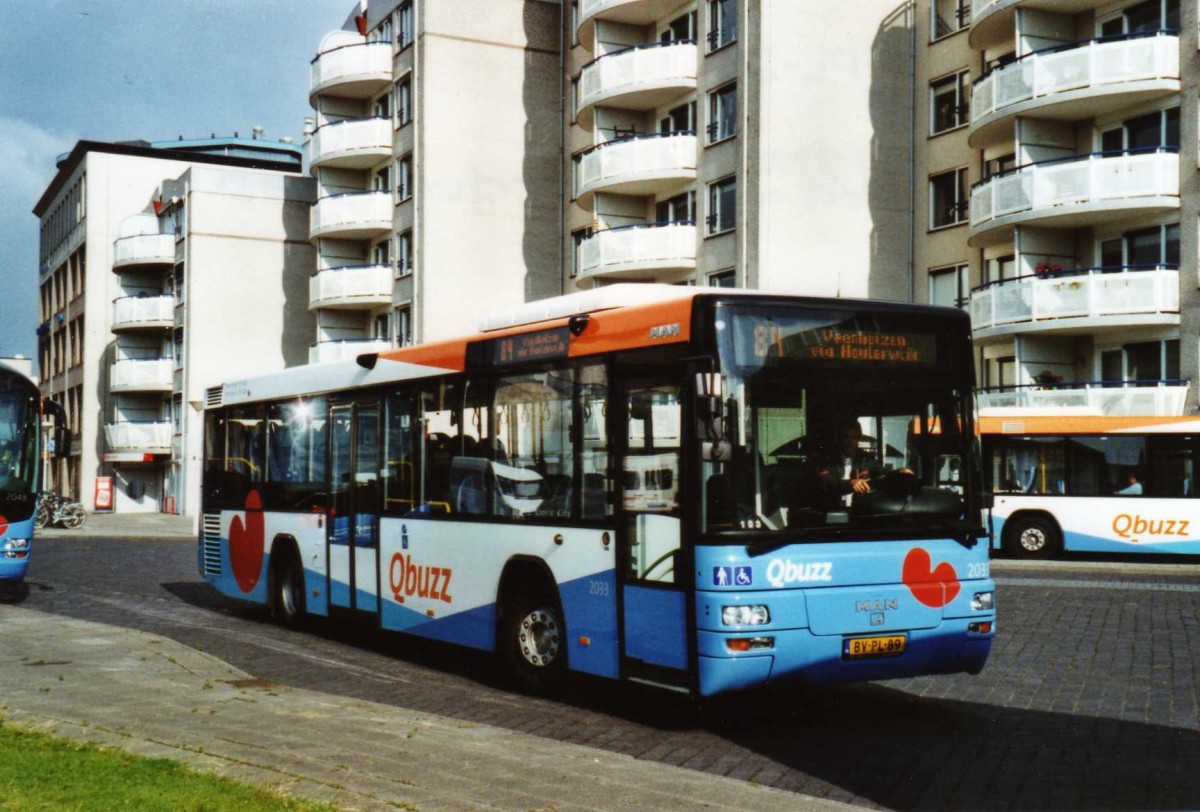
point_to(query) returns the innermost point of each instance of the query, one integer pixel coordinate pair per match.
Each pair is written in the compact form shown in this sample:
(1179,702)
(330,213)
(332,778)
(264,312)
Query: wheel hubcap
(538,638)
(1033,539)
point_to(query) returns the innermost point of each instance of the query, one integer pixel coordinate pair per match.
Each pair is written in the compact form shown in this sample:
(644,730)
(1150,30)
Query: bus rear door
(353,534)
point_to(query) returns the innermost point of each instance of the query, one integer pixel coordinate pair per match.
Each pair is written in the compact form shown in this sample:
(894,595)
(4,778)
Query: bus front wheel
(1033,537)
(287,590)
(532,645)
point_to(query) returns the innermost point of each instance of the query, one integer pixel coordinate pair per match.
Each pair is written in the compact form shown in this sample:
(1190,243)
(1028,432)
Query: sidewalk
(155,697)
(127,525)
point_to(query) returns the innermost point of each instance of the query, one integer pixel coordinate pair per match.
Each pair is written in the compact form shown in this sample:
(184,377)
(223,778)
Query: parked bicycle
(53,509)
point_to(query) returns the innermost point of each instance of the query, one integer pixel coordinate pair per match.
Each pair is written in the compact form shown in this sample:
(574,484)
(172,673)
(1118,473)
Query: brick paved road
(1090,700)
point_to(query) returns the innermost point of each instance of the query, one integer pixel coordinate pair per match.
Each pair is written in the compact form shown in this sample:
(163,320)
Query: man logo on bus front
(933,586)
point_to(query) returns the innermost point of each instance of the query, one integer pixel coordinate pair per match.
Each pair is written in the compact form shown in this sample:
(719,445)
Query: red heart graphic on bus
(933,586)
(246,542)
(3,526)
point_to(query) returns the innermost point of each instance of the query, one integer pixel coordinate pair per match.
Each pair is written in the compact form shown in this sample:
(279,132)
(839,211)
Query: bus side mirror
(708,404)
(989,500)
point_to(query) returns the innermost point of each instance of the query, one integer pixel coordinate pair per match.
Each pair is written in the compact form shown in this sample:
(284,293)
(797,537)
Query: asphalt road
(1091,699)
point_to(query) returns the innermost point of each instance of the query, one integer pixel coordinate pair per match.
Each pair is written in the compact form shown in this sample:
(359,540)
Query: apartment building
(739,143)
(1056,196)
(435,149)
(165,267)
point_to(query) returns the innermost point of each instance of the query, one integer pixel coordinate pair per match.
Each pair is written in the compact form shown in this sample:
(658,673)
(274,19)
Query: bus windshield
(18,435)
(837,421)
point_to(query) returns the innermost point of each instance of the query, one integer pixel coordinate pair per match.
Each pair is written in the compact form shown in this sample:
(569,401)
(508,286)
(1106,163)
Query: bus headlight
(16,548)
(745,615)
(982,601)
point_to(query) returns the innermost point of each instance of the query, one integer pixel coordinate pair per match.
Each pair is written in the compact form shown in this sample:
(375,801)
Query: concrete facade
(163,271)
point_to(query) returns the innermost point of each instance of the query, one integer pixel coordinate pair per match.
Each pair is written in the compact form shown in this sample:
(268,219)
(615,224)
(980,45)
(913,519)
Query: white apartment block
(435,149)
(165,268)
(1056,196)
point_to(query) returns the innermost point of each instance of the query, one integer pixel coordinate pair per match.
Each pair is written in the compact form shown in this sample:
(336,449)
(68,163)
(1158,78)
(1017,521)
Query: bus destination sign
(760,340)
(543,345)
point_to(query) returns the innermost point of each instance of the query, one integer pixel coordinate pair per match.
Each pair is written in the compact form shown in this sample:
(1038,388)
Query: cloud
(27,154)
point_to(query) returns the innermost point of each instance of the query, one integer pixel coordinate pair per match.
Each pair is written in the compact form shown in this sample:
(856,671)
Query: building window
(948,286)
(1145,248)
(1152,15)
(405,31)
(723,279)
(1157,129)
(722,206)
(722,23)
(681,29)
(403,101)
(948,16)
(577,239)
(678,209)
(722,113)
(383,106)
(177,348)
(177,412)
(404,178)
(381,327)
(1144,361)
(948,198)
(403,323)
(949,102)
(383,252)
(179,284)
(382,179)
(404,253)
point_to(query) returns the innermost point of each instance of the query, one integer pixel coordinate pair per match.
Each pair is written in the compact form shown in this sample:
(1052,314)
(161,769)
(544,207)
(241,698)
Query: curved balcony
(350,288)
(1084,301)
(993,21)
(146,438)
(143,313)
(1076,191)
(1163,398)
(352,215)
(346,349)
(355,143)
(630,12)
(143,249)
(643,77)
(661,252)
(350,67)
(142,375)
(653,163)
(1076,81)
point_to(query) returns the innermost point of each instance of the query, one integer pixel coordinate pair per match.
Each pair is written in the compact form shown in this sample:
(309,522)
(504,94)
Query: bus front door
(654,621)
(353,534)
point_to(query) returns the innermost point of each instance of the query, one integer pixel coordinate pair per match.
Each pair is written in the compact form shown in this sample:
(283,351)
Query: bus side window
(296,455)
(1171,466)
(399,463)
(533,422)
(593,449)
(440,417)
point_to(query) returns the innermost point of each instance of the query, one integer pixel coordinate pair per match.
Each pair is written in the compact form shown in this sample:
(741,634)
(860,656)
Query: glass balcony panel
(131,312)
(351,144)
(346,350)
(144,249)
(355,215)
(638,165)
(356,70)
(142,375)
(1012,303)
(149,438)
(359,286)
(642,77)
(634,251)
(1161,398)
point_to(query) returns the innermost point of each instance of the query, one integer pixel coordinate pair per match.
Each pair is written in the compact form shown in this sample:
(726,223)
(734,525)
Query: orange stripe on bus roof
(1084,424)
(622,328)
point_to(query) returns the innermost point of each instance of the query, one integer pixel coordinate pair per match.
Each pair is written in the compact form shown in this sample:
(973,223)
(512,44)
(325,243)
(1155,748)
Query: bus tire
(287,589)
(1032,537)
(531,643)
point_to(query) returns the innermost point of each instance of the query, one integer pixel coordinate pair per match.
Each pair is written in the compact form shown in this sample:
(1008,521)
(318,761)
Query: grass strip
(43,772)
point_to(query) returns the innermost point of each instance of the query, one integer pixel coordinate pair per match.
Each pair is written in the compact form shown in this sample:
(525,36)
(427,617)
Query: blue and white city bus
(20,430)
(639,482)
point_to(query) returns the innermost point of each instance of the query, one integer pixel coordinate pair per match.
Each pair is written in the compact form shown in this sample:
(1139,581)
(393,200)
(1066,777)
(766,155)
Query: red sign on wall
(104,493)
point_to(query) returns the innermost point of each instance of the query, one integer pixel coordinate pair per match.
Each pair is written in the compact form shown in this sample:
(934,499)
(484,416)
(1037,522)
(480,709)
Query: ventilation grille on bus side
(214,396)
(211,534)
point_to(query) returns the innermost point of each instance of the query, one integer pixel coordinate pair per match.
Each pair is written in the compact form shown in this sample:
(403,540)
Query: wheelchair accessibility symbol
(732,576)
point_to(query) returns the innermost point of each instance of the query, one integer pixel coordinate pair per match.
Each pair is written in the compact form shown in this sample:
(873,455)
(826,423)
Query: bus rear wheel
(532,645)
(287,590)
(1033,537)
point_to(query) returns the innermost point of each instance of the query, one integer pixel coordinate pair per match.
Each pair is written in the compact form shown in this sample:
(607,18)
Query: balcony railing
(639,78)
(638,164)
(639,251)
(631,12)
(346,349)
(355,143)
(136,312)
(1164,398)
(356,70)
(1064,185)
(144,249)
(1088,293)
(357,286)
(1106,62)
(353,215)
(148,438)
(142,375)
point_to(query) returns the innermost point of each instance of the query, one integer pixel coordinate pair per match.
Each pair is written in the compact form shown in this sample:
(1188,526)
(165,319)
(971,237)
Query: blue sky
(117,70)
